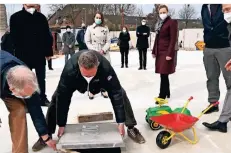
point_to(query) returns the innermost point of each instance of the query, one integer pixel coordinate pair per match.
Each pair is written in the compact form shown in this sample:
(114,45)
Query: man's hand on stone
(50,143)
(121,128)
(61,131)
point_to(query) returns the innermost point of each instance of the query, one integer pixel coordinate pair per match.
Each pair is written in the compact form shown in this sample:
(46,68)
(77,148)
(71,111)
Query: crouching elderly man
(89,71)
(19,89)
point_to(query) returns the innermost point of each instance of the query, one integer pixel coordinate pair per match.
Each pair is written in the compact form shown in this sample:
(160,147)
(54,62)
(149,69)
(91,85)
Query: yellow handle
(186,105)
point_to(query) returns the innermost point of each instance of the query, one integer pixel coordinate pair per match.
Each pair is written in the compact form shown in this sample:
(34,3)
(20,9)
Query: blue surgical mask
(98,21)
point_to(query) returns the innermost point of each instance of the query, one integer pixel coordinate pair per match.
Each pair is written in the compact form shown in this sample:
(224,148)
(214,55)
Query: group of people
(90,70)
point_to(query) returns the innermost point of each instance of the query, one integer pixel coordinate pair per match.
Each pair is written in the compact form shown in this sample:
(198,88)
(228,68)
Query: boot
(217,126)
(122,65)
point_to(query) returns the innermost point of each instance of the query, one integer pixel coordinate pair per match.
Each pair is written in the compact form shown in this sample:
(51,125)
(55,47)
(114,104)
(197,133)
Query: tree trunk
(3,19)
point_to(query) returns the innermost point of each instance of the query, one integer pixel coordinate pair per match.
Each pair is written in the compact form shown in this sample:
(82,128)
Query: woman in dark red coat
(164,49)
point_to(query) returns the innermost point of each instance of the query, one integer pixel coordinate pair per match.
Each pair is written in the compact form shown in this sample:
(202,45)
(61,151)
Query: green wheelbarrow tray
(157,111)
(179,110)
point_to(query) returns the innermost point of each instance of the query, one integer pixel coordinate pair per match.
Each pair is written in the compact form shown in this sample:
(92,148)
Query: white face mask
(68,30)
(163,16)
(124,30)
(31,10)
(227,17)
(143,22)
(21,97)
(88,79)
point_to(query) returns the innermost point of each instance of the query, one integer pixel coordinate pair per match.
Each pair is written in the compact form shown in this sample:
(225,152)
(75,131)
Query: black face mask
(84,27)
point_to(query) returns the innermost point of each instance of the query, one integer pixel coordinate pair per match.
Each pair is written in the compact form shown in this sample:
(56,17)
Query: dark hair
(68,27)
(162,6)
(88,60)
(125,28)
(102,17)
(144,18)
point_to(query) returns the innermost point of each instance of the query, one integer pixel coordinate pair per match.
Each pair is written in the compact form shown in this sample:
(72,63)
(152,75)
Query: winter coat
(165,46)
(71,80)
(98,38)
(33,104)
(7,44)
(142,40)
(68,39)
(31,37)
(215,31)
(80,39)
(124,39)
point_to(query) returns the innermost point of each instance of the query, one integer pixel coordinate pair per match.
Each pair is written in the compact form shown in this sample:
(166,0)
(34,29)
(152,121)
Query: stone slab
(95,117)
(90,135)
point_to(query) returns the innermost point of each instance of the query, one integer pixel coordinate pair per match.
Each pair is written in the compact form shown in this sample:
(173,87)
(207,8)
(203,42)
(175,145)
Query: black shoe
(212,110)
(168,96)
(122,66)
(217,126)
(140,68)
(145,68)
(51,69)
(104,94)
(46,102)
(91,96)
(126,66)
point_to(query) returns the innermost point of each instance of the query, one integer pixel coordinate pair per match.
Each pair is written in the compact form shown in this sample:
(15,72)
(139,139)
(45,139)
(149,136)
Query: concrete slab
(91,135)
(142,87)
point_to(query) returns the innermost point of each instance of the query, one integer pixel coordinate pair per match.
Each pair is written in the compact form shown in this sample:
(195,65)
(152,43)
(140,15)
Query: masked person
(69,43)
(97,38)
(217,51)
(89,71)
(221,123)
(142,33)
(80,38)
(32,42)
(20,90)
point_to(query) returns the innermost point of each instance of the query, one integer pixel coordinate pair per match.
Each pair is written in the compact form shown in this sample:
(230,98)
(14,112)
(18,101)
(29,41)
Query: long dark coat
(31,37)
(165,46)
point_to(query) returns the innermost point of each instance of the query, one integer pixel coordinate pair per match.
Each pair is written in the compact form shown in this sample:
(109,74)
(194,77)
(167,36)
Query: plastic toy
(176,123)
(157,111)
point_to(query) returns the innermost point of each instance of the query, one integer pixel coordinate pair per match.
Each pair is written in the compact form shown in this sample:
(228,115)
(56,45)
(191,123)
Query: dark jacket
(8,61)
(31,37)
(80,39)
(164,45)
(124,39)
(215,31)
(7,43)
(142,41)
(71,80)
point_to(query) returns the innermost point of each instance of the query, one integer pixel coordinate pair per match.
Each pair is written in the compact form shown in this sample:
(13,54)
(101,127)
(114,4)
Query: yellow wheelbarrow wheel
(154,126)
(162,140)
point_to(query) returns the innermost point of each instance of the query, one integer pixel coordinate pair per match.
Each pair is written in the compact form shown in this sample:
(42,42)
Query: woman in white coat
(97,38)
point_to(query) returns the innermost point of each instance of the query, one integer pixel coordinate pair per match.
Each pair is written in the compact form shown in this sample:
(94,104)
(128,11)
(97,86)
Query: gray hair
(19,76)
(88,60)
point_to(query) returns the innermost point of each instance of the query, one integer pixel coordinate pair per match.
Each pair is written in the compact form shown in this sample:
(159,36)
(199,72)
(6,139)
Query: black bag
(118,43)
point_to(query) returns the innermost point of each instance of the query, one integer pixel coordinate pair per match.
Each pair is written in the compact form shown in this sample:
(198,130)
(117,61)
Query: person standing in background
(31,38)
(142,33)
(69,43)
(217,51)
(124,39)
(164,49)
(80,38)
(98,38)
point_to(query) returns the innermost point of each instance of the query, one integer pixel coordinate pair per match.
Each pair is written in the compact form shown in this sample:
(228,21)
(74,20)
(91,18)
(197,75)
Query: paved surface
(142,87)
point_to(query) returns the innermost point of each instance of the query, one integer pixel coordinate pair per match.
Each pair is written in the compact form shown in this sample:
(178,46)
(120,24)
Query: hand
(52,144)
(153,55)
(61,131)
(228,65)
(121,128)
(48,57)
(70,46)
(102,52)
(168,58)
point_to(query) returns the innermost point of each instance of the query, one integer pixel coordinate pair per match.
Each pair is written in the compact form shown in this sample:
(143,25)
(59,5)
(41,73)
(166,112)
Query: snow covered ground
(142,87)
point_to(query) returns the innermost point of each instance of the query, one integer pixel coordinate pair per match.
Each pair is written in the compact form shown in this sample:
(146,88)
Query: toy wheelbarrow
(176,123)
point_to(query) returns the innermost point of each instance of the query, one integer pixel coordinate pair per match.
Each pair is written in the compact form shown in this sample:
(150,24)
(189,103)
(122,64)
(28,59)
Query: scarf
(158,26)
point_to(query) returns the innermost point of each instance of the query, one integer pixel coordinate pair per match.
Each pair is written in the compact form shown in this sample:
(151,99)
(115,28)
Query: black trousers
(40,71)
(100,150)
(143,57)
(164,86)
(124,54)
(51,117)
(49,63)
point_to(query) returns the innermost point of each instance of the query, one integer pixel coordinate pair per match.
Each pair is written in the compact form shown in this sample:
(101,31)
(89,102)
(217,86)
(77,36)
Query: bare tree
(55,7)
(187,12)
(153,17)
(115,9)
(171,12)
(139,14)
